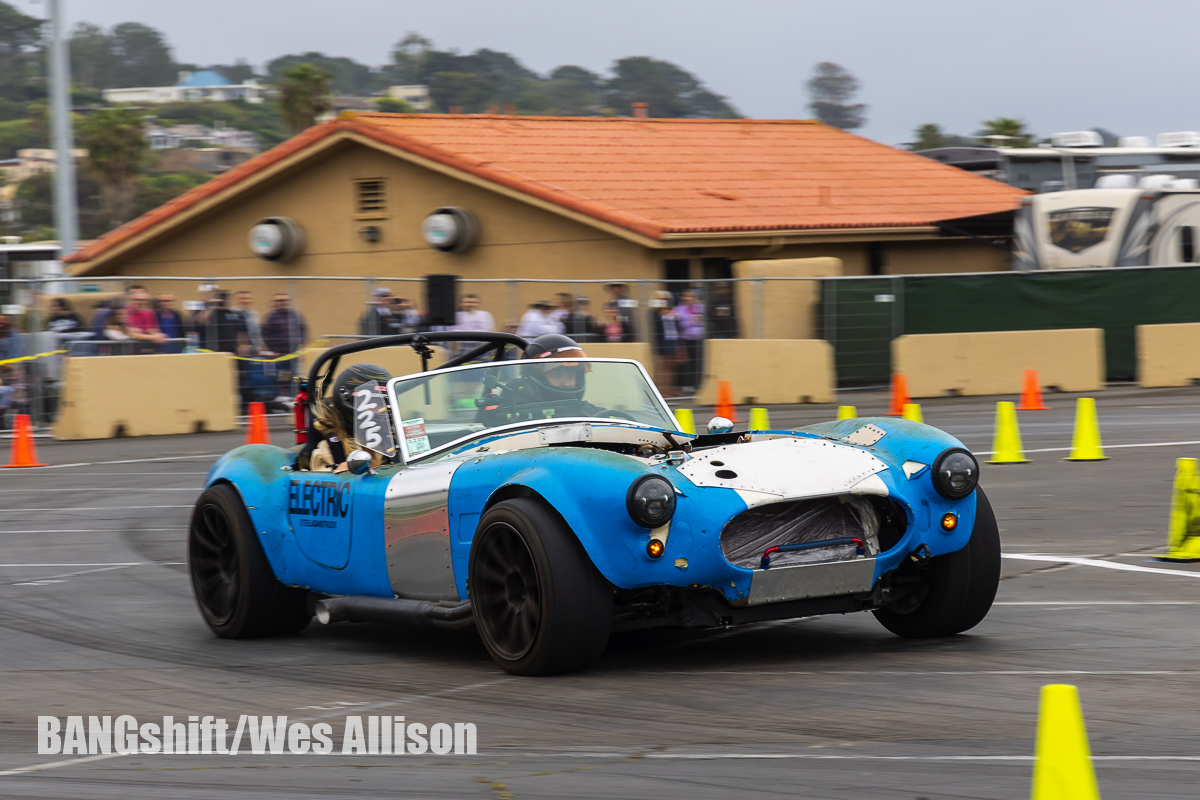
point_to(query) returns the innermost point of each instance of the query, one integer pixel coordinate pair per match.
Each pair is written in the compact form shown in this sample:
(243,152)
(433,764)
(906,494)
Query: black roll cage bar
(318,384)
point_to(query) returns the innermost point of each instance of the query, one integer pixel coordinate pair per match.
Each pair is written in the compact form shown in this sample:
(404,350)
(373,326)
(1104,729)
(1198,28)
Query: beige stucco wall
(159,394)
(1168,355)
(994,362)
(783,309)
(768,371)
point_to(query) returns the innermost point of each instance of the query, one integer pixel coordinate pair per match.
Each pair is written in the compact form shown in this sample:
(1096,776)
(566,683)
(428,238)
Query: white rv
(1123,222)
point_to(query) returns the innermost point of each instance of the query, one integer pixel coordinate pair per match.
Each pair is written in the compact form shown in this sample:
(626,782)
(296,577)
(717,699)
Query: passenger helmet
(556,380)
(349,381)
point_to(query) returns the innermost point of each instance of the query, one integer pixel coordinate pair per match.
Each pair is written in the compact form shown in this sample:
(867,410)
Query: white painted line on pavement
(942,673)
(53,764)
(61,489)
(100,564)
(86,508)
(1097,603)
(94,530)
(808,756)
(1106,447)
(1092,562)
(57,578)
(129,461)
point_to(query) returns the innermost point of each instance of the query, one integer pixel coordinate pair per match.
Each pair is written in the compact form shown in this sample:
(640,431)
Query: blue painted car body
(326,532)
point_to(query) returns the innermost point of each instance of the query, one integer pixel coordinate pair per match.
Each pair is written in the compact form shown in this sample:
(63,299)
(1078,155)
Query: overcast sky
(1126,66)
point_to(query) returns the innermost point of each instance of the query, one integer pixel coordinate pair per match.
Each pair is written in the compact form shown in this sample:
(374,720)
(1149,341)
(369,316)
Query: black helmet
(350,380)
(568,379)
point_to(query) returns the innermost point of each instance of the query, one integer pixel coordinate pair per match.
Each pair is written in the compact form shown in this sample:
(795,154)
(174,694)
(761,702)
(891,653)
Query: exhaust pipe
(395,611)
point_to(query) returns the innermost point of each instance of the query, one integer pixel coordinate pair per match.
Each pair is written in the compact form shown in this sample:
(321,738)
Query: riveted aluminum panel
(416,531)
(783,467)
(811,580)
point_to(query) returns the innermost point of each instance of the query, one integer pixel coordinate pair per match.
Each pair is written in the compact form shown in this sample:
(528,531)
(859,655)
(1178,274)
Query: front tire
(540,605)
(238,594)
(961,585)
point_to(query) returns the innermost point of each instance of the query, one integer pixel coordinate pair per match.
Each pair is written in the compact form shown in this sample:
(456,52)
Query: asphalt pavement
(98,619)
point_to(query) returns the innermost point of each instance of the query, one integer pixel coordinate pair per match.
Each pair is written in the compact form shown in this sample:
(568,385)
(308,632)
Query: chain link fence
(267,319)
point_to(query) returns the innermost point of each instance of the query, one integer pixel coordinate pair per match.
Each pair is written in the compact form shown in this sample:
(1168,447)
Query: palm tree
(928,137)
(115,141)
(304,95)
(1010,132)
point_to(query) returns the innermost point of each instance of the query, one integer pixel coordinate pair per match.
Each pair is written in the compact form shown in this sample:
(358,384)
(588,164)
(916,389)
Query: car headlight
(955,473)
(651,501)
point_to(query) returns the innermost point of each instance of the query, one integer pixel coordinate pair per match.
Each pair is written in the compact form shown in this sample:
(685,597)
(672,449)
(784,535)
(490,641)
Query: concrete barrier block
(149,395)
(1168,355)
(994,362)
(768,371)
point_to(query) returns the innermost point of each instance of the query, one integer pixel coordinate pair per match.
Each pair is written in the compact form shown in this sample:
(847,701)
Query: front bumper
(802,581)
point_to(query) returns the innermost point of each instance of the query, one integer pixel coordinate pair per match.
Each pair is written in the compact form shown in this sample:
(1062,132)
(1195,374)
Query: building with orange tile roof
(569,198)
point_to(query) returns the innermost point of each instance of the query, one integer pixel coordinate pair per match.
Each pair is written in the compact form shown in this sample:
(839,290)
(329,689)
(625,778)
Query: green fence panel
(865,317)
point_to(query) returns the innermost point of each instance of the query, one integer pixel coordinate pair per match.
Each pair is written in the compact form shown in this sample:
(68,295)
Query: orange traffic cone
(899,395)
(257,431)
(724,407)
(24,454)
(1031,394)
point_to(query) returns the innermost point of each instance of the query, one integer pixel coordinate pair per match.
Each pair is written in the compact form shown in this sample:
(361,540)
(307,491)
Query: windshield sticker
(1077,229)
(372,428)
(416,440)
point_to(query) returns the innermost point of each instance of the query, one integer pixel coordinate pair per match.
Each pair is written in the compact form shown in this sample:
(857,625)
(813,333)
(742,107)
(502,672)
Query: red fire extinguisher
(301,413)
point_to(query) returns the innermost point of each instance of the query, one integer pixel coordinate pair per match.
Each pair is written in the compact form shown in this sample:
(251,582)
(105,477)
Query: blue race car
(550,509)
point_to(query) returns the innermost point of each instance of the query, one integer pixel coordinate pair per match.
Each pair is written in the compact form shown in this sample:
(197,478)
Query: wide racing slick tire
(961,585)
(540,605)
(238,594)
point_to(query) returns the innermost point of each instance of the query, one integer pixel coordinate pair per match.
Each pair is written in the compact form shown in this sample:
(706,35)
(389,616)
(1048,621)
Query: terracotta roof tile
(661,176)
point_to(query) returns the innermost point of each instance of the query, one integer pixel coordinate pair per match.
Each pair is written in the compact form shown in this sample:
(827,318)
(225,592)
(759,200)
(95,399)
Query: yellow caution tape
(316,344)
(31,358)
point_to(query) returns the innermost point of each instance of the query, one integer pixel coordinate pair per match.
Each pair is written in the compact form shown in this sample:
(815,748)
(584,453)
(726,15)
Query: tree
(92,61)
(667,90)
(390,105)
(142,56)
(239,71)
(347,76)
(303,95)
(116,144)
(408,60)
(831,89)
(928,136)
(20,36)
(1009,132)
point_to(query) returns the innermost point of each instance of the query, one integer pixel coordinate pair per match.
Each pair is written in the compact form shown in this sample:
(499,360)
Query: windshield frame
(402,443)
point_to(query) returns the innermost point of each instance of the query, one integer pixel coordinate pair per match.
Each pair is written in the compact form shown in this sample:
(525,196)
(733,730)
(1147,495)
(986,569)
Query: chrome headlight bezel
(637,500)
(944,474)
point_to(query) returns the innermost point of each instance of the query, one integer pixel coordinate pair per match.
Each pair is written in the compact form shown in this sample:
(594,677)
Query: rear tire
(961,587)
(238,594)
(540,605)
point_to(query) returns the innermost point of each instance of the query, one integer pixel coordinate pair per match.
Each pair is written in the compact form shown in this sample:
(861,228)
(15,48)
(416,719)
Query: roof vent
(1077,139)
(1118,180)
(1179,139)
(1156,182)
(1185,183)
(640,111)
(1135,141)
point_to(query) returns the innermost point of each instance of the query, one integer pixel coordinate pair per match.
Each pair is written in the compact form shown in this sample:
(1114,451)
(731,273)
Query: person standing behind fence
(406,318)
(580,325)
(245,306)
(8,397)
(664,329)
(8,338)
(538,321)
(63,320)
(377,321)
(624,306)
(284,332)
(690,316)
(169,322)
(140,319)
(470,317)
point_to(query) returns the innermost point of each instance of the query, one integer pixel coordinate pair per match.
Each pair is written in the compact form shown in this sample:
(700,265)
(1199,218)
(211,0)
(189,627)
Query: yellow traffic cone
(759,420)
(1063,769)
(912,412)
(1085,444)
(847,412)
(1006,446)
(687,422)
(1183,533)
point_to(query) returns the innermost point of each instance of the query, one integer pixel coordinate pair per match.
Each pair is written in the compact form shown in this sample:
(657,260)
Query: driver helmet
(556,379)
(351,379)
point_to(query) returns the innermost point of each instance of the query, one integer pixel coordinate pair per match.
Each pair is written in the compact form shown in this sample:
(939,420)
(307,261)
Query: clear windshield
(439,408)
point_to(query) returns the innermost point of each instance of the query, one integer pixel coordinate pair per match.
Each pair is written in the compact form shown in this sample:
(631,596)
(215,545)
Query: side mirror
(720,425)
(359,462)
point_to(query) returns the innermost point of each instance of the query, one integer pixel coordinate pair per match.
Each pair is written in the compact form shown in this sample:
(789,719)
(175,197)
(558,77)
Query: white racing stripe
(1092,562)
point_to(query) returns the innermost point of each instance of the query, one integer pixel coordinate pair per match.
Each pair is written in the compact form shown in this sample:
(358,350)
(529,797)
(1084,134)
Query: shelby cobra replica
(548,520)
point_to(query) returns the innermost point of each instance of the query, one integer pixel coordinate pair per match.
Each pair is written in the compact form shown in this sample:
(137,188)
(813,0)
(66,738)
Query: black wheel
(540,605)
(960,588)
(238,594)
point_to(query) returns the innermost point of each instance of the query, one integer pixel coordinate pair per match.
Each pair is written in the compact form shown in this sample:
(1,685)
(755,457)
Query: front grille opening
(878,521)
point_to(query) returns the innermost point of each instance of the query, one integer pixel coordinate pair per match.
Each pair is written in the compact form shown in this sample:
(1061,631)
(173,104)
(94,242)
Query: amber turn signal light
(949,521)
(655,548)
